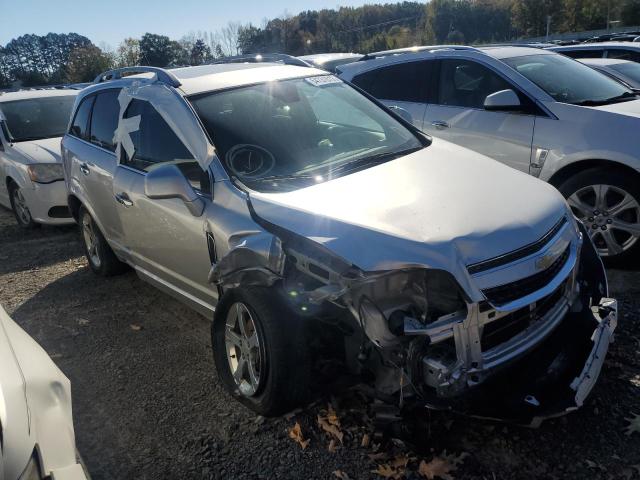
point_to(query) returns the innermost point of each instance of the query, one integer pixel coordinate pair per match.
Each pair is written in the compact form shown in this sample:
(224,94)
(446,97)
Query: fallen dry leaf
(400,461)
(441,467)
(387,471)
(341,475)
(332,417)
(295,433)
(331,429)
(135,327)
(365,440)
(634,424)
(332,446)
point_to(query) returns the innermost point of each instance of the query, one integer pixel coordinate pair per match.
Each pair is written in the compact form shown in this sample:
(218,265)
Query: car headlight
(32,470)
(45,172)
(424,295)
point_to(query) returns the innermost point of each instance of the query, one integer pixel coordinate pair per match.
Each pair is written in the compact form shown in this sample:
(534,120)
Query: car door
(4,145)
(162,239)
(401,87)
(89,151)
(458,114)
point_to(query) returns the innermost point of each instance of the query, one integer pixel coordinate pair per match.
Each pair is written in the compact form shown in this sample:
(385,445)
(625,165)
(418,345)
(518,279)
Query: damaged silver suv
(309,222)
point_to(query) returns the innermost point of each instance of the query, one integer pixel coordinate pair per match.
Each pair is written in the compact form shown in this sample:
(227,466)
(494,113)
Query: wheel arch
(74,206)
(566,172)
(9,180)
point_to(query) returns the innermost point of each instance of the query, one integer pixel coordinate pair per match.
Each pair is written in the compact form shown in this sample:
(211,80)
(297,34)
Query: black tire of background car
(282,332)
(613,177)
(31,224)
(109,263)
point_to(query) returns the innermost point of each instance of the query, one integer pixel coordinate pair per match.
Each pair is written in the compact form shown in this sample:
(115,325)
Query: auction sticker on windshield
(322,80)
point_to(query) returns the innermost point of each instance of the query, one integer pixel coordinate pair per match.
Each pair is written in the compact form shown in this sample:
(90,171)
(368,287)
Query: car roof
(327,57)
(598,45)
(208,78)
(36,93)
(511,51)
(603,61)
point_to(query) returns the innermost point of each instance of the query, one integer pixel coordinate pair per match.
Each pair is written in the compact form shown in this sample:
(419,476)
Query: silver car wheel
(611,215)
(20,206)
(243,347)
(91,240)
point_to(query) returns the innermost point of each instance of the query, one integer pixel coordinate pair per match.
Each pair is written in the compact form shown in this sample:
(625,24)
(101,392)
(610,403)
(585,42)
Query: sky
(110,21)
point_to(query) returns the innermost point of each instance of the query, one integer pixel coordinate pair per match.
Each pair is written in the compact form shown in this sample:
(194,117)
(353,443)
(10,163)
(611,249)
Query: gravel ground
(148,405)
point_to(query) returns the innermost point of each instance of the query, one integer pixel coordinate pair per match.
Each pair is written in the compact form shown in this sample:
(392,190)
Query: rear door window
(104,119)
(80,126)
(404,82)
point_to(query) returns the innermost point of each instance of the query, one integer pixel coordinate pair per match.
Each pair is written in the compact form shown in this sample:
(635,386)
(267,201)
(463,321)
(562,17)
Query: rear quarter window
(104,119)
(404,82)
(80,126)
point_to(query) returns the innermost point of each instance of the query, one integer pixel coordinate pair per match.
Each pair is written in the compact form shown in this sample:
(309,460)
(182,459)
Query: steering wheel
(247,160)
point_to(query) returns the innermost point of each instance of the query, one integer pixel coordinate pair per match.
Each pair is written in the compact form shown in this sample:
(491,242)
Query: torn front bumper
(553,380)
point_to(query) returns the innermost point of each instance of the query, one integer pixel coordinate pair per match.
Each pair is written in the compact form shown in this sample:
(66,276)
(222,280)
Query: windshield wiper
(618,98)
(373,159)
(280,177)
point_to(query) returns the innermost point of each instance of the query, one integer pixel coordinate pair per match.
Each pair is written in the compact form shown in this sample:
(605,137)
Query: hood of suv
(46,150)
(438,207)
(631,108)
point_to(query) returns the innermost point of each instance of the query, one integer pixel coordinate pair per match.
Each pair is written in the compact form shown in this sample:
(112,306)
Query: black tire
(101,258)
(284,378)
(596,219)
(22,213)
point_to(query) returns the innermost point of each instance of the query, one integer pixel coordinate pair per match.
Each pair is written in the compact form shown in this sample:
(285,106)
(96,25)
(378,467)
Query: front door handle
(439,124)
(84,168)
(123,199)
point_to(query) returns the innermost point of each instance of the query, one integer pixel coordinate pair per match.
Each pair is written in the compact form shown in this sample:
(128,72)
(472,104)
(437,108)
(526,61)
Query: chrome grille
(504,294)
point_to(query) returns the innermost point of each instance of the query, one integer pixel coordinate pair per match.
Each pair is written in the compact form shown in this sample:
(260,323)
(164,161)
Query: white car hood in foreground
(441,207)
(46,150)
(35,408)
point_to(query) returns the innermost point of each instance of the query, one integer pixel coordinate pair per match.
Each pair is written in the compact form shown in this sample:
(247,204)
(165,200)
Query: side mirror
(167,181)
(401,112)
(504,100)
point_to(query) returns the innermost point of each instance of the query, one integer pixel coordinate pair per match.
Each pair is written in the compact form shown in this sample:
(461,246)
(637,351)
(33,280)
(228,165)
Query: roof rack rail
(163,75)
(263,57)
(416,49)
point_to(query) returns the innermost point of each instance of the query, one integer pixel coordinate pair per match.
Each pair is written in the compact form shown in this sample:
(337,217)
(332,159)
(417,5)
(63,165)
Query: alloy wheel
(20,206)
(91,240)
(610,214)
(244,349)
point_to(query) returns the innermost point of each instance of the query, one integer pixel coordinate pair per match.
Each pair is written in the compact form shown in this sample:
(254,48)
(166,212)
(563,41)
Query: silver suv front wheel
(608,203)
(260,350)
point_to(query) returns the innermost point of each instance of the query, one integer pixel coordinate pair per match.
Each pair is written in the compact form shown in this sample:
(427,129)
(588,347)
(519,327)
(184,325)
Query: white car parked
(32,123)
(37,440)
(532,109)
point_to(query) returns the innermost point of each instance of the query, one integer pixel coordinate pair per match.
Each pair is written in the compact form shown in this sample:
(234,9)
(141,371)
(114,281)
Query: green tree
(85,63)
(630,12)
(128,53)
(200,53)
(156,50)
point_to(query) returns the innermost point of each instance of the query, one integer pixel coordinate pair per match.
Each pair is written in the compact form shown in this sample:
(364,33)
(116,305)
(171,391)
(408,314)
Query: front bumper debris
(607,316)
(553,380)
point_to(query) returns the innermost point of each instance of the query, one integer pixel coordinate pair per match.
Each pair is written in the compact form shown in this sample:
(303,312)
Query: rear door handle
(84,168)
(439,124)
(123,199)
